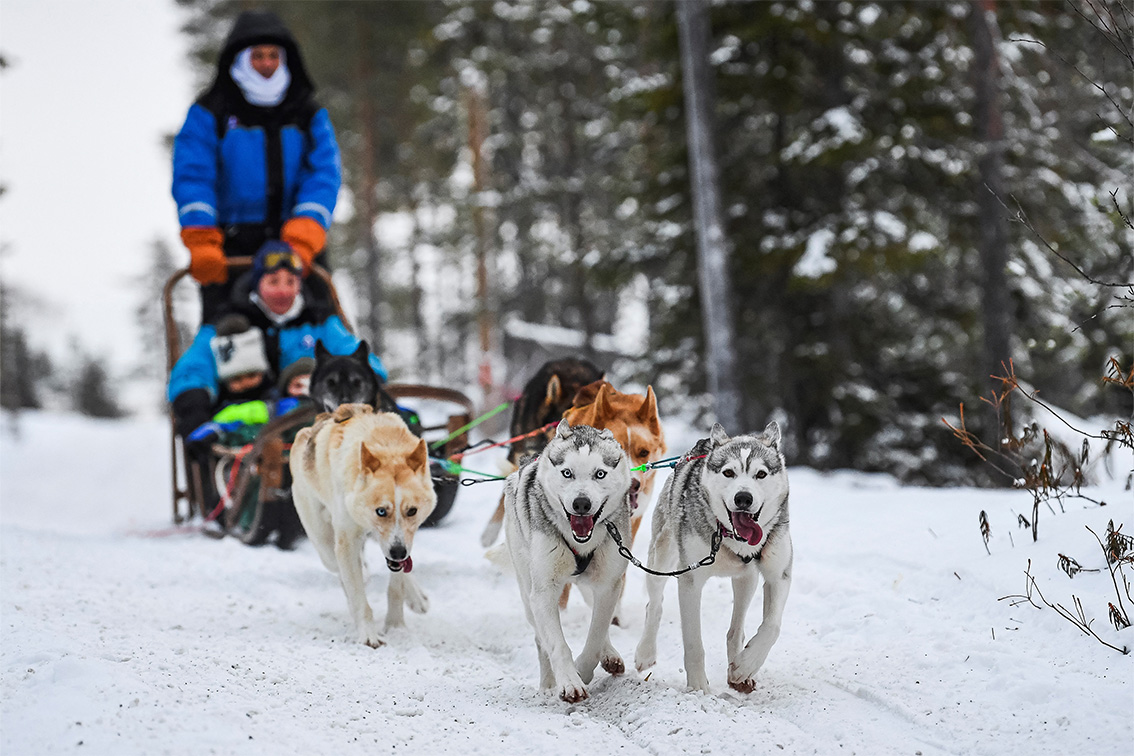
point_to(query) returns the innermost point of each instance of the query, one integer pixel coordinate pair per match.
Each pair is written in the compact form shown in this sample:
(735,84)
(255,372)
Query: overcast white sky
(91,90)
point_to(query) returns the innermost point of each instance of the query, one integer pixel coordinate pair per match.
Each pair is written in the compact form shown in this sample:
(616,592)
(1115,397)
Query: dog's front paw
(572,693)
(370,634)
(698,682)
(743,686)
(613,664)
(646,656)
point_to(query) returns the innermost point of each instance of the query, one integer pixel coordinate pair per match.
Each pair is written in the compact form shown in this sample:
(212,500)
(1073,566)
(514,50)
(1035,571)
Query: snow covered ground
(120,639)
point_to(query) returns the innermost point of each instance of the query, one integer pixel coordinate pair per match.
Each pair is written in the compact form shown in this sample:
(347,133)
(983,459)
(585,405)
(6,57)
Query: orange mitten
(207,262)
(306,236)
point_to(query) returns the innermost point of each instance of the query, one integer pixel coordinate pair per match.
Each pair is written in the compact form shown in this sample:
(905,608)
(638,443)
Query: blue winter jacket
(223,180)
(235,163)
(197,368)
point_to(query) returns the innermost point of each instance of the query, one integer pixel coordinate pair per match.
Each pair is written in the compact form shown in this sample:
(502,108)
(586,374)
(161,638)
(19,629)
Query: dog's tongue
(745,526)
(406,565)
(582,525)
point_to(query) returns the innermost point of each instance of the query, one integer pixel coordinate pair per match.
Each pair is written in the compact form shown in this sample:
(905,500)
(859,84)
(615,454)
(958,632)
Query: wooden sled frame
(188,490)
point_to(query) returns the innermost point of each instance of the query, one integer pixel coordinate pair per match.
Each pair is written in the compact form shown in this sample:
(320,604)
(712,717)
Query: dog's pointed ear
(563,430)
(419,457)
(771,434)
(587,394)
(320,350)
(554,392)
(362,352)
(607,433)
(602,401)
(370,462)
(648,412)
(718,435)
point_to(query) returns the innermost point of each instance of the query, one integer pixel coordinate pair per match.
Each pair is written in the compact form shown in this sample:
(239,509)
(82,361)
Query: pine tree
(91,391)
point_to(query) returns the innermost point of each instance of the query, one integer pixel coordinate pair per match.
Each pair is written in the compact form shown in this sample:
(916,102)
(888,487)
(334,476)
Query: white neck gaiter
(278,319)
(256,89)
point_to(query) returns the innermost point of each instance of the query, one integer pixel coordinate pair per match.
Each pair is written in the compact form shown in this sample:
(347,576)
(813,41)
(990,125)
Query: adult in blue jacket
(255,160)
(291,322)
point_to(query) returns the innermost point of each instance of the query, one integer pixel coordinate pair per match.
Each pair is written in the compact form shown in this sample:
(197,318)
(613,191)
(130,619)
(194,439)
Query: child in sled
(243,373)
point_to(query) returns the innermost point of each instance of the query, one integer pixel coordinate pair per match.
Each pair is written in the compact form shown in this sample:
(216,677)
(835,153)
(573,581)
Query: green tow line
(438,444)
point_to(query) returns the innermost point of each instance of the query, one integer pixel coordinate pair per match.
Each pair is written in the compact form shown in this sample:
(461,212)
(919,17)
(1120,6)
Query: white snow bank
(894,641)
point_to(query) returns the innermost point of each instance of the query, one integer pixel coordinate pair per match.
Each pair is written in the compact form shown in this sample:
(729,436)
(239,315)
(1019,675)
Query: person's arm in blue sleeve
(321,175)
(196,368)
(195,169)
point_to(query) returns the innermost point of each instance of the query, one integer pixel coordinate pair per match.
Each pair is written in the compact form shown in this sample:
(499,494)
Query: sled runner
(251,473)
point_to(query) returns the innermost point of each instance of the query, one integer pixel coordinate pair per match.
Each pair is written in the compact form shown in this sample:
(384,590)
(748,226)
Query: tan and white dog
(358,472)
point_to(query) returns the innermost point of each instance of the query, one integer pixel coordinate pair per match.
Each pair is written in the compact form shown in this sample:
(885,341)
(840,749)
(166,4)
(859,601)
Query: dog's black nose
(398,552)
(581,505)
(743,500)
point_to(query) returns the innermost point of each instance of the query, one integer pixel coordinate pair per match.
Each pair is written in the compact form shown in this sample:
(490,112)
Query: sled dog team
(722,513)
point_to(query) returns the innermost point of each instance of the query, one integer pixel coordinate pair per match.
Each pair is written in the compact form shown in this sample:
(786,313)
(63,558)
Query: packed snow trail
(894,641)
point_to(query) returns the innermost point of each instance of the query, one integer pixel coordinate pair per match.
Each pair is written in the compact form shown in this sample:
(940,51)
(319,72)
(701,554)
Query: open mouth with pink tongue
(403,566)
(746,527)
(582,526)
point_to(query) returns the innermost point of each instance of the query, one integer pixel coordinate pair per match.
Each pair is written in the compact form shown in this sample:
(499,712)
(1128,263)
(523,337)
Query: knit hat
(238,348)
(273,255)
(302,366)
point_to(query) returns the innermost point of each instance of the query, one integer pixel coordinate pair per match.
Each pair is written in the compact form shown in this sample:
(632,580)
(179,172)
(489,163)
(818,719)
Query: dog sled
(253,475)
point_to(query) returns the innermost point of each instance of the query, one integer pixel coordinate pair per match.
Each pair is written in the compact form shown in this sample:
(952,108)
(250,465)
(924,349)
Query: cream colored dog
(357,472)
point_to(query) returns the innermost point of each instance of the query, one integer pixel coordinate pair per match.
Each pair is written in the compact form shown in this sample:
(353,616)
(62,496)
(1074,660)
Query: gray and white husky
(737,488)
(555,513)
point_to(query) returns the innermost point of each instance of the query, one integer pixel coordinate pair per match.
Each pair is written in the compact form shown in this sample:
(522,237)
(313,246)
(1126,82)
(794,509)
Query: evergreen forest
(916,196)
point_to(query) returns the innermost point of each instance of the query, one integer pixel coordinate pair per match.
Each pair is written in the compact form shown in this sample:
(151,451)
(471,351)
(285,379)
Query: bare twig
(1077,618)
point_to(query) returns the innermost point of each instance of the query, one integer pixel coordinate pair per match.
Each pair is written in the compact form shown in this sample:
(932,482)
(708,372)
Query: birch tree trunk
(712,248)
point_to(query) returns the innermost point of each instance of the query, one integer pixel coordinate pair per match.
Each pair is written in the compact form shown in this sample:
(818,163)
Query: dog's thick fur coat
(736,487)
(546,396)
(556,510)
(358,472)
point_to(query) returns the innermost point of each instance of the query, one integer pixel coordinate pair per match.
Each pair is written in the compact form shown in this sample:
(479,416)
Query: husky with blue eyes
(556,511)
(359,473)
(734,492)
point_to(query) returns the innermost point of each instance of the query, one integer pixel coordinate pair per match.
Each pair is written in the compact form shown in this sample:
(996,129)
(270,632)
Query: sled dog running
(358,472)
(555,513)
(735,490)
(634,421)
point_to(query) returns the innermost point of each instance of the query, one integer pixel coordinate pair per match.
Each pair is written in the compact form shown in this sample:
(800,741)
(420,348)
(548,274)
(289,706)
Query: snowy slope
(119,638)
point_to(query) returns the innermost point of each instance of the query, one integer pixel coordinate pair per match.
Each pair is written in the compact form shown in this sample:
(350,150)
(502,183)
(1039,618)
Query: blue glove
(285,405)
(210,431)
(205,432)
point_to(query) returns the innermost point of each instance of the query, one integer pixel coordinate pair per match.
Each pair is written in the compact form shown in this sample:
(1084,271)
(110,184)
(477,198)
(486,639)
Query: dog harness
(581,562)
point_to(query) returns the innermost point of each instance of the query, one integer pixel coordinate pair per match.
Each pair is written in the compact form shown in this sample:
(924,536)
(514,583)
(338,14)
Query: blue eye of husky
(600,474)
(567,474)
(380,511)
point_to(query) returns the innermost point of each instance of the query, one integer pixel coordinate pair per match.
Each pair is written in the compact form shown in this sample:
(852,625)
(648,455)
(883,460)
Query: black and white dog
(343,379)
(555,513)
(735,489)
